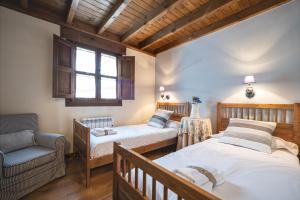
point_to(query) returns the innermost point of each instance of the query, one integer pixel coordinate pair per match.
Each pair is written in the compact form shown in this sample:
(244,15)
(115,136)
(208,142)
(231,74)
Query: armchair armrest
(50,140)
(1,163)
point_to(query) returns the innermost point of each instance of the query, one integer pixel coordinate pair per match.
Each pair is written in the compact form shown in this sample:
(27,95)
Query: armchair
(26,169)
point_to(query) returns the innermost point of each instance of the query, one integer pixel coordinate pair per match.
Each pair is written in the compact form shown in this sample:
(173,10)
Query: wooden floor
(71,187)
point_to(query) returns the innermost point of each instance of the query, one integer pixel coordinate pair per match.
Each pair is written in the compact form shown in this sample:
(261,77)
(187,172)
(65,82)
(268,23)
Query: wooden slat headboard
(287,117)
(180,109)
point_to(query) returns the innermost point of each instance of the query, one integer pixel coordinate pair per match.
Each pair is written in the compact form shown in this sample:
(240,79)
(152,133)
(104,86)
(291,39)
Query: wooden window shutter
(126,71)
(63,68)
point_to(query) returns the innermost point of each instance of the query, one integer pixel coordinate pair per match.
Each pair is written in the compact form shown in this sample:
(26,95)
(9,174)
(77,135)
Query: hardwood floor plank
(70,187)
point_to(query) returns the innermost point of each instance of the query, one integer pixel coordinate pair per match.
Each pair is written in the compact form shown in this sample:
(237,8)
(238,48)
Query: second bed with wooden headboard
(97,151)
(248,174)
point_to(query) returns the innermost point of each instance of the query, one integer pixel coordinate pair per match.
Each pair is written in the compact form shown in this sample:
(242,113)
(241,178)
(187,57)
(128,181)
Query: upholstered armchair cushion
(20,161)
(18,140)
(50,140)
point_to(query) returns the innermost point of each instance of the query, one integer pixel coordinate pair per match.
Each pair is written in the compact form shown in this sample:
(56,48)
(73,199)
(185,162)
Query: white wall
(26,78)
(213,67)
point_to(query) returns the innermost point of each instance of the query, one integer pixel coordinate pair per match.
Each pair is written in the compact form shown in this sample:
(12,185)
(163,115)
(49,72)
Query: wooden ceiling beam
(72,11)
(41,13)
(53,17)
(24,4)
(150,17)
(112,15)
(228,21)
(185,21)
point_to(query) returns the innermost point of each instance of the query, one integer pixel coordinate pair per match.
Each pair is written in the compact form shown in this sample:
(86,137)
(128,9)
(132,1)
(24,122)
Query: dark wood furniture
(81,140)
(125,159)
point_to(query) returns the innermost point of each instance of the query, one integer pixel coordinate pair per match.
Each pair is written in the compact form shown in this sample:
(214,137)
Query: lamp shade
(249,79)
(161,88)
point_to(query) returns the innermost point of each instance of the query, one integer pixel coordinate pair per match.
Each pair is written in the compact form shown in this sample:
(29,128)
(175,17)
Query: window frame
(97,101)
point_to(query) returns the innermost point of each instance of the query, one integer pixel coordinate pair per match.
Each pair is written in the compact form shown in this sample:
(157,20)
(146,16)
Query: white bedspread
(131,136)
(249,174)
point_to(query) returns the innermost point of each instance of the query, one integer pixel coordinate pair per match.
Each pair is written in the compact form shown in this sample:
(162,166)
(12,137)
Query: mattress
(131,136)
(248,175)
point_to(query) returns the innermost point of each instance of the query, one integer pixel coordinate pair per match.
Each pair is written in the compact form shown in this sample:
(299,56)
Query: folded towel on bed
(103,131)
(205,177)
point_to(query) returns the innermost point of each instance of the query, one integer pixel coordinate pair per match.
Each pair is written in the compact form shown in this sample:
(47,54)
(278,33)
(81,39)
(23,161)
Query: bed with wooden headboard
(81,139)
(128,161)
(179,109)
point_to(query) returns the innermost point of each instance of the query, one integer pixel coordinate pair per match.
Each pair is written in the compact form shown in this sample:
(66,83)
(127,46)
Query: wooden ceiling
(152,26)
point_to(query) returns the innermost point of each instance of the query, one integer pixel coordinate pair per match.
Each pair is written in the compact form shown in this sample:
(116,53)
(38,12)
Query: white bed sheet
(131,136)
(249,174)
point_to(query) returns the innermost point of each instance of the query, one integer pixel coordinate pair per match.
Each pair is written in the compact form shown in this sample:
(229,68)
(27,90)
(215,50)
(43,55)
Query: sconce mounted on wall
(249,90)
(162,94)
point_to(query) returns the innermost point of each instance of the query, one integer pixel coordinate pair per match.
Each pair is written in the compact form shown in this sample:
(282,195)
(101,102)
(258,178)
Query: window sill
(92,102)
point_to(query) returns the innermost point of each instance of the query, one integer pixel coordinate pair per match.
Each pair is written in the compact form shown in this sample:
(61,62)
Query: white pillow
(278,143)
(256,135)
(160,118)
(247,144)
(173,124)
(218,135)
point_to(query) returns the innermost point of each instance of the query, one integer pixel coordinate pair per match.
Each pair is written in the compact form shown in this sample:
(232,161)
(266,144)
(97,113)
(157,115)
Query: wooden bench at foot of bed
(123,189)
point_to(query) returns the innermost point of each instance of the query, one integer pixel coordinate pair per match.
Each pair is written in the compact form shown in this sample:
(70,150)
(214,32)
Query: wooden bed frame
(125,159)
(287,129)
(81,140)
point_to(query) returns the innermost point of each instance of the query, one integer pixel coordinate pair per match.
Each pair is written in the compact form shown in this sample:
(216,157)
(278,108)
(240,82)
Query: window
(108,72)
(85,73)
(90,77)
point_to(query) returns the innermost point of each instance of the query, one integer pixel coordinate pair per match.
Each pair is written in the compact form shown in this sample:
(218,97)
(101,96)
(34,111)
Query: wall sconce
(162,95)
(249,90)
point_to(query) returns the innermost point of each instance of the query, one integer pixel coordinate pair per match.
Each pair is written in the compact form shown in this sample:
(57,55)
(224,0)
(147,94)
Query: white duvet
(131,136)
(249,174)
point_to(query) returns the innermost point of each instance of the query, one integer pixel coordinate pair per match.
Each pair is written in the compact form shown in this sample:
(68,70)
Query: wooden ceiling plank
(72,11)
(92,7)
(152,16)
(186,20)
(102,2)
(112,15)
(228,21)
(135,10)
(38,12)
(146,7)
(24,4)
(96,5)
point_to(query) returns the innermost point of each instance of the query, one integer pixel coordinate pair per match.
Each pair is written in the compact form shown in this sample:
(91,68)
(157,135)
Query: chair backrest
(98,122)
(18,122)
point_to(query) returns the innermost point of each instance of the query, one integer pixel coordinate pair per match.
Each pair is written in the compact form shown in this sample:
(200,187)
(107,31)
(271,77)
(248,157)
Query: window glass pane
(108,88)
(108,65)
(85,86)
(85,60)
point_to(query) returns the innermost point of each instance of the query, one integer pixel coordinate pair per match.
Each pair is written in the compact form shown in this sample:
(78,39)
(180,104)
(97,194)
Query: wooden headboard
(180,109)
(287,117)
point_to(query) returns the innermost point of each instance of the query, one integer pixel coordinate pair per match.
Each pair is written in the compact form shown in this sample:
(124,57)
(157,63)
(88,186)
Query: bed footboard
(123,189)
(81,146)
